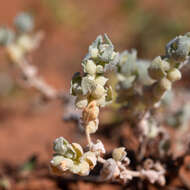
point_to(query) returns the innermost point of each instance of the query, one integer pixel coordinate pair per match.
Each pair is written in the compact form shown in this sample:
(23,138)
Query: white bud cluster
(93,84)
(91,89)
(178,49)
(70,157)
(164,72)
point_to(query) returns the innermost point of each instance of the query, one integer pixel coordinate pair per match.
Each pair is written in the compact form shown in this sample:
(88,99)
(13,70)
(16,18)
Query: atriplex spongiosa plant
(141,86)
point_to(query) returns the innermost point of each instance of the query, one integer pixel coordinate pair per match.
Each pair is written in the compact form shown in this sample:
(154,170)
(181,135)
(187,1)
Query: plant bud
(98,92)
(88,84)
(60,145)
(60,164)
(84,168)
(101,80)
(90,157)
(98,147)
(174,75)
(178,48)
(66,164)
(119,154)
(57,160)
(158,68)
(90,67)
(160,88)
(93,52)
(99,69)
(165,84)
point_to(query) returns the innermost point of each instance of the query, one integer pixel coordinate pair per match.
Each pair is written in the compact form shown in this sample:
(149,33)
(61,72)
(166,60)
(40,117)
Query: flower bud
(98,147)
(101,80)
(88,84)
(90,67)
(57,160)
(160,88)
(66,164)
(60,164)
(158,68)
(119,154)
(90,157)
(93,52)
(84,168)
(178,48)
(99,69)
(165,84)
(60,145)
(174,75)
(98,92)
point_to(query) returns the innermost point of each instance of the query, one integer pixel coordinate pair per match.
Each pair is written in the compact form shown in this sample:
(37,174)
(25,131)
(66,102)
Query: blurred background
(27,128)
